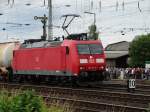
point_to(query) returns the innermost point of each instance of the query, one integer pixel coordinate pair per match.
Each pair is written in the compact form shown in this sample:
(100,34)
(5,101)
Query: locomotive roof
(9,42)
(41,44)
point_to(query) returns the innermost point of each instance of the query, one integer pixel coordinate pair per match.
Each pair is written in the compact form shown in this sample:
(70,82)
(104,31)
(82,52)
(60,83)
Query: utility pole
(50,22)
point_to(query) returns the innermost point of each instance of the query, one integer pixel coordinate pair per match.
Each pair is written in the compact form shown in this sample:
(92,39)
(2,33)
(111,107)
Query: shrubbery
(25,102)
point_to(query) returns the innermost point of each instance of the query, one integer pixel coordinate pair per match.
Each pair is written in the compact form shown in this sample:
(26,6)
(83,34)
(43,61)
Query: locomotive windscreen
(90,49)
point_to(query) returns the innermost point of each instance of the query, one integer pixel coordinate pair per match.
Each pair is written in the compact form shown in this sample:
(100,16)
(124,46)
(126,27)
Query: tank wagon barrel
(6,56)
(6,53)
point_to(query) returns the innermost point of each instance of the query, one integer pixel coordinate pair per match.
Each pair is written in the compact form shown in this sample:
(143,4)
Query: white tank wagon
(6,55)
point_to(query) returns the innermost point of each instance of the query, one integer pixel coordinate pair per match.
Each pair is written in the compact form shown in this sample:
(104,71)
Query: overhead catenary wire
(117,5)
(81,5)
(100,6)
(139,7)
(92,5)
(44,2)
(76,1)
(87,5)
(11,2)
(8,2)
(124,5)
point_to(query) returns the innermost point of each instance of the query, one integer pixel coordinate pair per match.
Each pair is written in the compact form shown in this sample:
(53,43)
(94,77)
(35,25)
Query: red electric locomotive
(76,59)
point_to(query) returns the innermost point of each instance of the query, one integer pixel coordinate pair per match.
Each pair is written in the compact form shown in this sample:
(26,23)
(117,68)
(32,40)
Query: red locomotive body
(39,60)
(68,58)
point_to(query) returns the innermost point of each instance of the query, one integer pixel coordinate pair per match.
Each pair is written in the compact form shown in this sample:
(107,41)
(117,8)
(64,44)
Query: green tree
(93,34)
(139,51)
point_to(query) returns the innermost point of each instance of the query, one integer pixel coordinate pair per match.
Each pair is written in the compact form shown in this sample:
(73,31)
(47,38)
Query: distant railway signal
(44,21)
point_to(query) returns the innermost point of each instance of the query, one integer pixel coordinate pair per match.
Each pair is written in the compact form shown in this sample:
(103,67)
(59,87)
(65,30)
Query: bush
(5,102)
(28,102)
(25,102)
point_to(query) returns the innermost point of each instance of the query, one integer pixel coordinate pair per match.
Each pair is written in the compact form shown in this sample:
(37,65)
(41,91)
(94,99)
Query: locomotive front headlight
(99,60)
(82,61)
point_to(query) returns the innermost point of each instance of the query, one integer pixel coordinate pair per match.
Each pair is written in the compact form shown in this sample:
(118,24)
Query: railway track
(119,86)
(139,81)
(93,106)
(87,100)
(142,89)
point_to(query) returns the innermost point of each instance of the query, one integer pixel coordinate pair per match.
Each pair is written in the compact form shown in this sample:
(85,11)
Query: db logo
(36,59)
(91,60)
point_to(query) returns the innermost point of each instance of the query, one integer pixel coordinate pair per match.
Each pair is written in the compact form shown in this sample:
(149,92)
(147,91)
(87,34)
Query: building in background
(117,54)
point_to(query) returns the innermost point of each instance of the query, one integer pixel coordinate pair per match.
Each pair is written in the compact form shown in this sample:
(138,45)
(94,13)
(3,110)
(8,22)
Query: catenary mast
(50,22)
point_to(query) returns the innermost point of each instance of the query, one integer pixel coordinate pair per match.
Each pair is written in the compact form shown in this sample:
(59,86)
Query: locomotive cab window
(83,49)
(89,49)
(96,48)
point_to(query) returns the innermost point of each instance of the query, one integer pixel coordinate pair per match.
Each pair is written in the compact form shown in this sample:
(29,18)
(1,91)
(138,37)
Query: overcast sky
(116,20)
